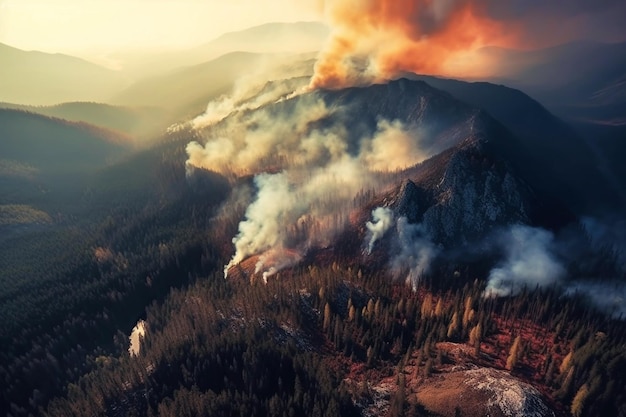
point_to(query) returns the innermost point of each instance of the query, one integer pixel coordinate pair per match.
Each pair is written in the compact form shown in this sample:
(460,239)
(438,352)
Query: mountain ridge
(546,137)
(39,78)
(48,142)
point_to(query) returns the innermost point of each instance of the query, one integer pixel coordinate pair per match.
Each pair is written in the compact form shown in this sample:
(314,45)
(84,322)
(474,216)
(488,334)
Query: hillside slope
(55,145)
(581,81)
(558,151)
(186,91)
(319,319)
(37,78)
(129,120)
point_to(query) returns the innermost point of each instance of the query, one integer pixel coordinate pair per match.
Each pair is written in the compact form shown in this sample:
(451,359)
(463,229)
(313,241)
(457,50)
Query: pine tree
(427,306)
(400,307)
(377,307)
(549,374)
(399,400)
(475,337)
(428,368)
(454,326)
(578,403)
(511,361)
(439,308)
(370,356)
(467,312)
(327,316)
(370,308)
(567,361)
(351,313)
(566,387)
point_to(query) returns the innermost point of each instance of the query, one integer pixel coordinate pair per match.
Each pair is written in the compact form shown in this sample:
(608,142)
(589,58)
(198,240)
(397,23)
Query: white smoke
(529,261)
(308,201)
(244,143)
(248,94)
(382,220)
(295,210)
(138,332)
(253,90)
(274,260)
(416,254)
(413,251)
(254,142)
(263,229)
(392,148)
(609,297)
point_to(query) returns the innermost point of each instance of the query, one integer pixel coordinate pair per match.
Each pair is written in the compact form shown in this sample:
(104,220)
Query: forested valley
(150,244)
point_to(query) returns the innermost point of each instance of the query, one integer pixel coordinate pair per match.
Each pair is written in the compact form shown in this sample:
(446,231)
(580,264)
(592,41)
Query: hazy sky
(95,28)
(77,25)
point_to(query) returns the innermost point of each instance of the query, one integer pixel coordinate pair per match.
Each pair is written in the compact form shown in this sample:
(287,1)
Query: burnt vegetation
(142,240)
(309,342)
(303,342)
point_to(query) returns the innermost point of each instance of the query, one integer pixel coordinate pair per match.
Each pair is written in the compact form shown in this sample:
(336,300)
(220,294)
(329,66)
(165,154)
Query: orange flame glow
(375,40)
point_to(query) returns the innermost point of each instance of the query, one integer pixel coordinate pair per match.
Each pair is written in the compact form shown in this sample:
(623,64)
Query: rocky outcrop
(474,193)
(481,392)
(411,202)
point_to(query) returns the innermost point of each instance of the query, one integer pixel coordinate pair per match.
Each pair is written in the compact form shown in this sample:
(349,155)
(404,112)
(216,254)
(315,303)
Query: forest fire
(374,41)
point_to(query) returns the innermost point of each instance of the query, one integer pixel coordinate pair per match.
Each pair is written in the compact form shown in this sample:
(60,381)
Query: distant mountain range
(274,38)
(563,152)
(37,78)
(270,38)
(581,80)
(143,224)
(179,83)
(128,120)
(35,146)
(190,87)
(490,139)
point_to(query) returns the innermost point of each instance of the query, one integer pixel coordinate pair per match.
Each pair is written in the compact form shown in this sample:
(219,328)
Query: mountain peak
(408,201)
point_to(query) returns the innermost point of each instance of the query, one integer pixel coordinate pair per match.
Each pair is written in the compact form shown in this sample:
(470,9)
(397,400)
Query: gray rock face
(410,202)
(506,395)
(475,194)
(480,392)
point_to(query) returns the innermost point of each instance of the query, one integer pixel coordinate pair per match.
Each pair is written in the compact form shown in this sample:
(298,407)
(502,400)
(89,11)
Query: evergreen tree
(327,317)
(514,353)
(453,327)
(475,338)
(578,403)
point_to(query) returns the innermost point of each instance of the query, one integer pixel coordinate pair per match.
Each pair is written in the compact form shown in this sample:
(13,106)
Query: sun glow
(70,26)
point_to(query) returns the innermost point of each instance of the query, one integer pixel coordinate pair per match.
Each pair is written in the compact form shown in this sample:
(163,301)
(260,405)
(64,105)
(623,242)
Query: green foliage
(66,287)
(56,146)
(12,214)
(149,236)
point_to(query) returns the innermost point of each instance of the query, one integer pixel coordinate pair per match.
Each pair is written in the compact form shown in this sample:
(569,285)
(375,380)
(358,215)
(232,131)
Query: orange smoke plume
(375,40)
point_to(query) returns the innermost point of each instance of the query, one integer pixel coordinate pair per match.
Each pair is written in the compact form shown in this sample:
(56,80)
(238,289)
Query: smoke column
(275,205)
(417,252)
(304,175)
(412,250)
(609,297)
(382,220)
(375,40)
(529,261)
